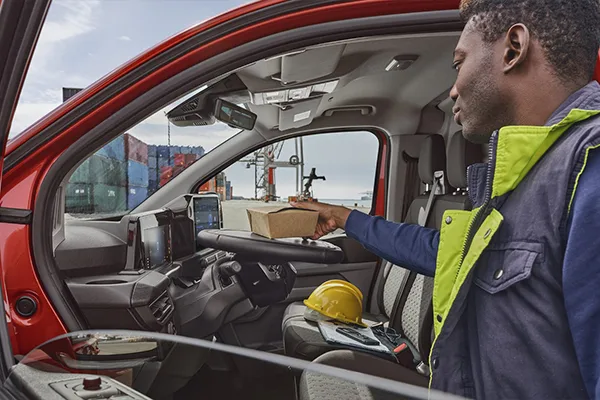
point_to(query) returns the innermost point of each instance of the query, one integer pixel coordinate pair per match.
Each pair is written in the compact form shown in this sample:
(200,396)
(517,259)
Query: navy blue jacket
(416,248)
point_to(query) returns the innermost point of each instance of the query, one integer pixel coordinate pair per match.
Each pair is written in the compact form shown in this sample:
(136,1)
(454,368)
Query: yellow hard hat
(339,300)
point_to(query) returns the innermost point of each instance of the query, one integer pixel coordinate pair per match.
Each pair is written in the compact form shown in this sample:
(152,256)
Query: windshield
(140,365)
(83,40)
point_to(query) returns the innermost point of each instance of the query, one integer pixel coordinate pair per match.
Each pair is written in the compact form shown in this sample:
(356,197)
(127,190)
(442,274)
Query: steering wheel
(250,246)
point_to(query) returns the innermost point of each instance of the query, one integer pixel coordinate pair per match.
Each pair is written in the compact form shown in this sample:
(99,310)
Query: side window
(344,166)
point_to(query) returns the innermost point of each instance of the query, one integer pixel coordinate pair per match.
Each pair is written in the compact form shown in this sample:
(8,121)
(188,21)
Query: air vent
(190,106)
(162,308)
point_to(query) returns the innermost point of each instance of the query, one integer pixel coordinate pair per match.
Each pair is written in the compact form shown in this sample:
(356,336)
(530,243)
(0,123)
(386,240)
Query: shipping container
(137,174)
(109,199)
(152,162)
(210,186)
(79,198)
(198,150)
(179,159)
(166,173)
(228,190)
(186,150)
(221,192)
(94,199)
(163,152)
(114,150)
(164,162)
(135,196)
(99,169)
(221,178)
(153,175)
(175,150)
(190,159)
(135,149)
(152,185)
(152,150)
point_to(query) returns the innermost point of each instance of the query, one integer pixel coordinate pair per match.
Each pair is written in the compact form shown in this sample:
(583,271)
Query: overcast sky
(83,40)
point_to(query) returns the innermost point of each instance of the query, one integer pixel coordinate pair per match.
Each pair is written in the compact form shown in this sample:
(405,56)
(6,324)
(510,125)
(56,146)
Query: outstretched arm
(407,245)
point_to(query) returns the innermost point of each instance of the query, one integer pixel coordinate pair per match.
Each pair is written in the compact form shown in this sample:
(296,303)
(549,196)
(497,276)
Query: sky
(83,40)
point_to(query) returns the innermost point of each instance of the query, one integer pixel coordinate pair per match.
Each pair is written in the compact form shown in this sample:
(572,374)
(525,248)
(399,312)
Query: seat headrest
(432,158)
(461,154)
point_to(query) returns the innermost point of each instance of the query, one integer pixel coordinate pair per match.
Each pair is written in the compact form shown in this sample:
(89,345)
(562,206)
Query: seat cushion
(302,338)
(314,386)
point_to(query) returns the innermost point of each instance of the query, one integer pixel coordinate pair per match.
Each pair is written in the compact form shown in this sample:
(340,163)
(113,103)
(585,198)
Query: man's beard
(489,109)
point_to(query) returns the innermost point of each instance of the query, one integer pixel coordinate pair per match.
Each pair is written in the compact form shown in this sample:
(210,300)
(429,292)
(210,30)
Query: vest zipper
(484,210)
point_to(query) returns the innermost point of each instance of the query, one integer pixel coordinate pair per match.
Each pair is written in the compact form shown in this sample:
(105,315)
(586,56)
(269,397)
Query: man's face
(481,102)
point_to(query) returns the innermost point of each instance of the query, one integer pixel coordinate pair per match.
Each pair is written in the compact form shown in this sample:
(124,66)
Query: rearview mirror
(234,116)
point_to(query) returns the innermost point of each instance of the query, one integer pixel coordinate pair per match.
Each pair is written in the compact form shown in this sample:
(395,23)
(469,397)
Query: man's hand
(330,217)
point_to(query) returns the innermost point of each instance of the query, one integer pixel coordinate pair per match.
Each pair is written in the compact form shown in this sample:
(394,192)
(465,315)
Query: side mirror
(234,116)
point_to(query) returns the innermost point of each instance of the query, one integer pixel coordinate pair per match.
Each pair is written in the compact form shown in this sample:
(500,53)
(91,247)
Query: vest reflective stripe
(587,154)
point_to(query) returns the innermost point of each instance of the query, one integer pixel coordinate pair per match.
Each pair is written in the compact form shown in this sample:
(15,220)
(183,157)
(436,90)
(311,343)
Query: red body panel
(21,184)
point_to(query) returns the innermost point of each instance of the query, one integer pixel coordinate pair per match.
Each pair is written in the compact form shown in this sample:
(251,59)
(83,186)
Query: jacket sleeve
(581,273)
(406,245)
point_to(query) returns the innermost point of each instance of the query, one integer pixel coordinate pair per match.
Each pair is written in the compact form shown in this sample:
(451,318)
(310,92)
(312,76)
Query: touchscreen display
(157,245)
(206,213)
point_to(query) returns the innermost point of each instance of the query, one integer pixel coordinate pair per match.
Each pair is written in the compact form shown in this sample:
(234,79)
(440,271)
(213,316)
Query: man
(516,298)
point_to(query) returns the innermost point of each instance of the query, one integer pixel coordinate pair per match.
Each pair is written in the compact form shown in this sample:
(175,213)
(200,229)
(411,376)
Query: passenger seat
(314,386)
(302,339)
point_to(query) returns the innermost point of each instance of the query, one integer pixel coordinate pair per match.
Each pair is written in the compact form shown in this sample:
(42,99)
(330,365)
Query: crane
(266,160)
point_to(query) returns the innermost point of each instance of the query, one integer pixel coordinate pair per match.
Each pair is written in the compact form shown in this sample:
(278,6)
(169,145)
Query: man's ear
(516,47)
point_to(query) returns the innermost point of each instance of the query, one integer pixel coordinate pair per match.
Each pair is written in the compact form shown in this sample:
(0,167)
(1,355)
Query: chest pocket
(505,264)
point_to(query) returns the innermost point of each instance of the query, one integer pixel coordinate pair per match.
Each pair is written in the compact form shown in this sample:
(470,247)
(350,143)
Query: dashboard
(148,271)
(157,238)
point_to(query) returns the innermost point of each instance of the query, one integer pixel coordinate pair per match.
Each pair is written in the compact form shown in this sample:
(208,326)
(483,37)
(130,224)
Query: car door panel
(20,26)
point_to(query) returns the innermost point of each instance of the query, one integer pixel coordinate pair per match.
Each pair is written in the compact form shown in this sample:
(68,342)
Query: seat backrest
(432,158)
(416,321)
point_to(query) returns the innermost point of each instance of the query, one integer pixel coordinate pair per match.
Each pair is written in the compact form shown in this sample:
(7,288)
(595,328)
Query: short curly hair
(568,30)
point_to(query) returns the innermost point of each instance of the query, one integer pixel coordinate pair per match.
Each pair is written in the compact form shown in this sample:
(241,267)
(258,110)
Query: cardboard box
(282,222)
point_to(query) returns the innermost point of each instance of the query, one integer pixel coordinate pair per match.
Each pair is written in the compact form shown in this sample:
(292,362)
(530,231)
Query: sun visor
(299,114)
(311,64)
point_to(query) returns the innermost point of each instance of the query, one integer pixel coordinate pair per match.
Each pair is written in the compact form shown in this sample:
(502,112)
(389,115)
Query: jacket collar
(517,149)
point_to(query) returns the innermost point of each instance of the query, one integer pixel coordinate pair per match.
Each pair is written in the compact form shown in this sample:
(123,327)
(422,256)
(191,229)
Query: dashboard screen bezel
(154,221)
(193,213)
